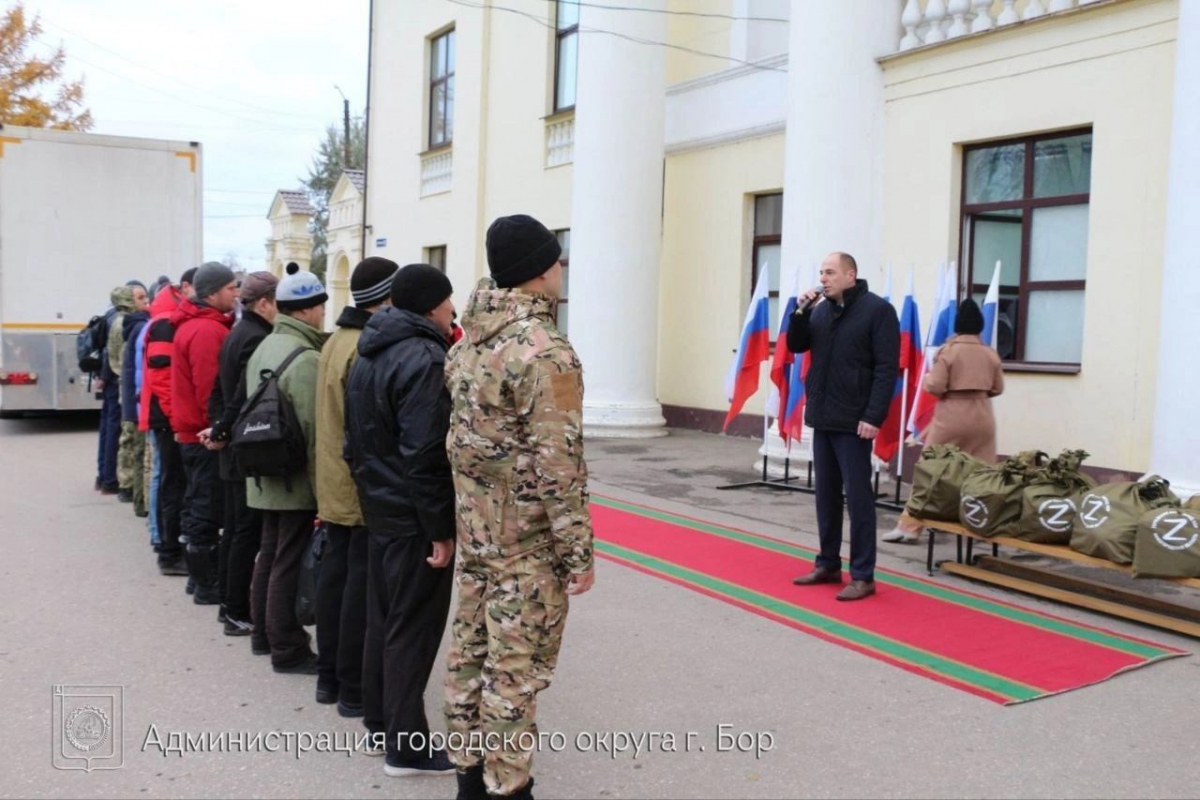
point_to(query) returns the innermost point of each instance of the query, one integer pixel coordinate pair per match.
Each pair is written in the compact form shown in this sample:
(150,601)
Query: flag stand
(784,483)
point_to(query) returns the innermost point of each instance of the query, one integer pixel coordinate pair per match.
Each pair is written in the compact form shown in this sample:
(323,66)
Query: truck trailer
(81,214)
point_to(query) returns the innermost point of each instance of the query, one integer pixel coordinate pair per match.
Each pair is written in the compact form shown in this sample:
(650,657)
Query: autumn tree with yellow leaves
(32,92)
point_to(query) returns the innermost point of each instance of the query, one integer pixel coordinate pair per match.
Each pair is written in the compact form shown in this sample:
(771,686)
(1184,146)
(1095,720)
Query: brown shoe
(857,590)
(819,575)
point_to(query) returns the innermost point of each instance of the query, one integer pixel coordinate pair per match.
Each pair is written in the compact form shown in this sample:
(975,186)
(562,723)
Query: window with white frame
(441,90)
(566,53)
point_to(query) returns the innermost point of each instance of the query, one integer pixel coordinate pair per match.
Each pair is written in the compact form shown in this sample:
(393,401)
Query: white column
(833,182)
(616,225)
(1175,452)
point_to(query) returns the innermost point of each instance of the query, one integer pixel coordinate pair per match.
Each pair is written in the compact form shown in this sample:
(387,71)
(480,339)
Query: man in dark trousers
(397,418)
(243,525)
(854,339)
(342,594)
(201,326)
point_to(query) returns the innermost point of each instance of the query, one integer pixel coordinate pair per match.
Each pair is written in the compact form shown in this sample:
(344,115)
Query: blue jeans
(152,492)
(110,433)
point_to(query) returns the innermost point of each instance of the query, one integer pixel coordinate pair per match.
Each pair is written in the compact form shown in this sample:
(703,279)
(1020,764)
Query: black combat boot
(202,565)
(470,784)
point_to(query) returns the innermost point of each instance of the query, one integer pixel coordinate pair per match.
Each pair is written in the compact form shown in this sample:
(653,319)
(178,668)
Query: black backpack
(267,440)
(90,344)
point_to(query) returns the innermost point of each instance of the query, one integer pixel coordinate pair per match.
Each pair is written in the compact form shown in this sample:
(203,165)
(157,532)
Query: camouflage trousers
(504,647)
(131,457)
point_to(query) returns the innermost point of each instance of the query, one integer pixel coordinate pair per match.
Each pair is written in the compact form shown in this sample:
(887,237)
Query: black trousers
(342,613)
(408,602)
(286,535)
(172,484)
(239,548)
(202,500)
(842,468)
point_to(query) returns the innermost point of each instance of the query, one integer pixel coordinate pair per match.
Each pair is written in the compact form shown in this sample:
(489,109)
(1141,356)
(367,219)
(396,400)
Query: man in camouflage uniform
(524,529)
(131,304)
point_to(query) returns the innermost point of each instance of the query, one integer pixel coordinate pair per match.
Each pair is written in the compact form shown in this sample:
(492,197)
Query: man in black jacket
(243,525)
(397,418)
(854,339)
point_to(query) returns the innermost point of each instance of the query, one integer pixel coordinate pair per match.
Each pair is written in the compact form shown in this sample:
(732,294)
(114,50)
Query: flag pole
(903,417)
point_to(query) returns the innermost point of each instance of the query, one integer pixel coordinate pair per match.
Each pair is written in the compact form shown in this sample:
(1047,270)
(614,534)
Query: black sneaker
(260,648)
(350,710)
(177,568)
(125,495)
(221,613)
(307,666)
(191,584)
(326,697)
(436,763)
(237,627)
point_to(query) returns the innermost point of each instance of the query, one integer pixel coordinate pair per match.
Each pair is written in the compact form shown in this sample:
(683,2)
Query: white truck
(81,214)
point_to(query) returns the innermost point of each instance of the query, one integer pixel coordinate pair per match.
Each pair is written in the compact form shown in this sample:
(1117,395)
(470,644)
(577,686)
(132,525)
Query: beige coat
(966,373)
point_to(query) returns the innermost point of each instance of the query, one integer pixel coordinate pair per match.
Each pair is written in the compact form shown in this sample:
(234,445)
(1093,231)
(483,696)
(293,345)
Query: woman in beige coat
(965,376)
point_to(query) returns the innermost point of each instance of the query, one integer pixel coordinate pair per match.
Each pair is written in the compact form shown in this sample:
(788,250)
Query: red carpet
(997,650)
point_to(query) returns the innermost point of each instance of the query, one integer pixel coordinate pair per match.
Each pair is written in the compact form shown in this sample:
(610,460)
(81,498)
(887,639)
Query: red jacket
(155,411)
(199,333)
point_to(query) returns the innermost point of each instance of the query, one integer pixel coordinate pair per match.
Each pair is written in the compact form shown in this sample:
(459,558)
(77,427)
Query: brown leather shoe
(819,575)
(857,590)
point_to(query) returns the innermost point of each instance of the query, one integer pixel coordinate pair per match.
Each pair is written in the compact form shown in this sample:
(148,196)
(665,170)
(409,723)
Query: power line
(627,37)
(178,99)
(673,13)
(235,216)
(173,78)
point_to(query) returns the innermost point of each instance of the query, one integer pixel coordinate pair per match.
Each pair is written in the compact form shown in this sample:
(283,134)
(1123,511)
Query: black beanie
(969,320)
(371,281)
(188,276)
(420,288)
(519,249)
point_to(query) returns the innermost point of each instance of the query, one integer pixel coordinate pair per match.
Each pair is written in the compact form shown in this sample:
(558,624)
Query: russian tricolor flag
(911,363)
(788,370)
(754,348)
(945,310)
(991,308)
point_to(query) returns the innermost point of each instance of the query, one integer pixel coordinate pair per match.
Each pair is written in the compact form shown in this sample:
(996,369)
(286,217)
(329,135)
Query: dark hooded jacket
(132,326)
(855,350)
(229,392)
(397,418)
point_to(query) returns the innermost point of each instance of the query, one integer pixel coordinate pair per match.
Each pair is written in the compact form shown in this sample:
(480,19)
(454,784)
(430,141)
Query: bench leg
(970,549)
(929,558)
(995,550)
(960,549)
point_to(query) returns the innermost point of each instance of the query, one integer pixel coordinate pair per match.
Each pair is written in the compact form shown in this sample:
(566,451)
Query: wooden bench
(1092,595)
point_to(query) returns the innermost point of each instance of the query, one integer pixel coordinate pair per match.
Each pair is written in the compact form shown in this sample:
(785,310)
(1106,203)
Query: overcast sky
(252,80)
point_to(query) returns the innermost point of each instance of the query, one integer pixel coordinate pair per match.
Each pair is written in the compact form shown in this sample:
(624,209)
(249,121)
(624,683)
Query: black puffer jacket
(229,392)
(129,394)
(397,418)
(855,360)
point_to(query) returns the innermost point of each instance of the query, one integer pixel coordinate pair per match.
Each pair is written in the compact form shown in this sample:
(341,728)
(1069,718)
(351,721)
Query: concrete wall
(1110,68)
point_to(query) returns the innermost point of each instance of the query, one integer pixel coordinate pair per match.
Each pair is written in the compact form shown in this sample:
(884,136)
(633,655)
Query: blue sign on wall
(381,242)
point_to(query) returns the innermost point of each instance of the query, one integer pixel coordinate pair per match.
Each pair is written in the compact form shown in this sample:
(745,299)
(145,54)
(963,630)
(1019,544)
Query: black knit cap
(188,276)
(420,288)
(969,320)
(519,249)
(371,281)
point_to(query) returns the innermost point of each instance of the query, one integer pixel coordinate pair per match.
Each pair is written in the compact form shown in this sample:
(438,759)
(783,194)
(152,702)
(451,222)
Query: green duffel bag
(1168,544)
(937,478)
(991,497)
(1107,517)
(1048,502)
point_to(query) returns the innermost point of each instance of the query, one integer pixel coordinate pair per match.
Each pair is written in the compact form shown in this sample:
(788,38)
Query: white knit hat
(299,290)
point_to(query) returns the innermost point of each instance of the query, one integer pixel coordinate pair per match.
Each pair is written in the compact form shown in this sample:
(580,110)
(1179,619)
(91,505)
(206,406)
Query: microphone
(809,305)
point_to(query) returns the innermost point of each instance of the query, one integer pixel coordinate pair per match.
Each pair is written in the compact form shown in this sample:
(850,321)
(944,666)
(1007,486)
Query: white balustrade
(912,19)
(983,16)
(1009,15)
(560,142)
(935,15)
(1060,5)
(437,170)
(958,9)
(927,22)
(1033,10)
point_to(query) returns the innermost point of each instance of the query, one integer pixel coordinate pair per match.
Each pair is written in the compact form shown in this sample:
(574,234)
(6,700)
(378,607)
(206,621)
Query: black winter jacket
(855,360)
(229,392)
(134,321)
(397,419)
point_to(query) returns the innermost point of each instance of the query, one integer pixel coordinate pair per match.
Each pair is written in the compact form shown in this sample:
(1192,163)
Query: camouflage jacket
(516,432)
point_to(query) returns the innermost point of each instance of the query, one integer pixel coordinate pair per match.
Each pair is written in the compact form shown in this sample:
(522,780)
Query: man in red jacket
(201,326)
(155,410)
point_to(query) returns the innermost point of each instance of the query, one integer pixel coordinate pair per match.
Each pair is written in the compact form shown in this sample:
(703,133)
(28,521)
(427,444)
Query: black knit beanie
(969,320)
(371,281)
(519,249)
(420,288)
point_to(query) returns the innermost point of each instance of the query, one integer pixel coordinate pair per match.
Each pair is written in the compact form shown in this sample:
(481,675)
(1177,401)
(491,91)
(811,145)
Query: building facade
(680,152)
